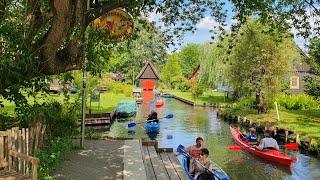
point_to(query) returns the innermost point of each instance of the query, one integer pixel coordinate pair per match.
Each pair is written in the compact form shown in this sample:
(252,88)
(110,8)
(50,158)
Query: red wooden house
(148,77)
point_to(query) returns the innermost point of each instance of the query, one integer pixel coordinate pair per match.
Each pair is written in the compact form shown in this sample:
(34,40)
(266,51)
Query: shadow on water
(188,123)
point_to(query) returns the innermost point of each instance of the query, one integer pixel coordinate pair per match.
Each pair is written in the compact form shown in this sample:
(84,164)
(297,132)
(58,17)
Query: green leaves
(258,63)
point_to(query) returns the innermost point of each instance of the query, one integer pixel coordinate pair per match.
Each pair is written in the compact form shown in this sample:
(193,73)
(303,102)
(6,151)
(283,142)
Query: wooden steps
(160,166)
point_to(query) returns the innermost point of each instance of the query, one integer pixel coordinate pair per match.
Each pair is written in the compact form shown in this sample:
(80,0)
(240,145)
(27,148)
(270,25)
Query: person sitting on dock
(268,142)
(251,137)
(200,167)
(195,150)
(153,117)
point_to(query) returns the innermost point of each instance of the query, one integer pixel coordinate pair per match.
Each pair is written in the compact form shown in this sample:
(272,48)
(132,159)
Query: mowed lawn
(210,97)
(303,122)
(108,102)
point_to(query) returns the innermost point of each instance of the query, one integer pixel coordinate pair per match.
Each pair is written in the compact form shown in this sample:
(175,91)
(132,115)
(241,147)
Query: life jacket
(253,139)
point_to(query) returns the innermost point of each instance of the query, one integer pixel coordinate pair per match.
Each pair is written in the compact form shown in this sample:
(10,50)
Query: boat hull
(270,155)
(152,127)
(218,174)
(126,109)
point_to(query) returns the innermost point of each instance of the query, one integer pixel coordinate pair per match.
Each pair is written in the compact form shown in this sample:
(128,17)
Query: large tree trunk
(262,106)
(59,52)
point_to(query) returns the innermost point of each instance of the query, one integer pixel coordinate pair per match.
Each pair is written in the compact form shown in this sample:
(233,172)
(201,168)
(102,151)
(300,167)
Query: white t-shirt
(268,142)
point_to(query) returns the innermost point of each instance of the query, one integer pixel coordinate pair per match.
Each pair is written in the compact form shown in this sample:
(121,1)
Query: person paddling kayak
(200,167)
(251,137)
(268,142)
(195,150)
(153,116)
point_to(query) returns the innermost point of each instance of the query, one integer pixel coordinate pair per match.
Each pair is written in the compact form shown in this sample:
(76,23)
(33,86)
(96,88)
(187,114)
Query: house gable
(148,72)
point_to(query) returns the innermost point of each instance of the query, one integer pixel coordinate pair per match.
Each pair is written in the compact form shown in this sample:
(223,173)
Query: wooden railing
(14,154)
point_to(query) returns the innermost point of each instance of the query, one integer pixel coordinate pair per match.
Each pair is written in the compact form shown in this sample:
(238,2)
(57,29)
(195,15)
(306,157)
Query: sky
(202,34)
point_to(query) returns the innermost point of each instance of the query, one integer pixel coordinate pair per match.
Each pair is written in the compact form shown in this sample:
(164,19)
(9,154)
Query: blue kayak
(218,174)
(152,127)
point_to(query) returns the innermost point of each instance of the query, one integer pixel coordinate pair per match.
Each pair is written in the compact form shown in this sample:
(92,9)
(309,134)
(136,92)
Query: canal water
(189,123)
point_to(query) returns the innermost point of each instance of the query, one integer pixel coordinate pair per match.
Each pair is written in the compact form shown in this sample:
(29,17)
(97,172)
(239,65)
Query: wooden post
(286,133)
(9,147)
(23,148)
(278,117)
(34,168)
(2,150)
(19,150)
(298,139)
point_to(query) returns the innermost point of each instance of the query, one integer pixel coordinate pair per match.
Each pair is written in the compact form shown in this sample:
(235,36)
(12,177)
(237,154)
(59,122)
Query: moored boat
(152,127)
(159,104)
(166,95)
(126,109)
(218,173)
(270,155)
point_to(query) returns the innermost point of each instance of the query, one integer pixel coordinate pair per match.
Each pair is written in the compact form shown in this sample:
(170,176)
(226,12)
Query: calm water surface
(189,123)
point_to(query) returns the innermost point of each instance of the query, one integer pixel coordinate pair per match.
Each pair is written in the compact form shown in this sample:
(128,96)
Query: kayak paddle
(234,148)
(132,124)
(291,146)
(182,150)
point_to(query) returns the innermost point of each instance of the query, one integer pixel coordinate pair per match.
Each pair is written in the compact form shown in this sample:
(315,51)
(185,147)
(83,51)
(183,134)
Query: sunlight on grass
(303,122)
(108,102)
(209,97)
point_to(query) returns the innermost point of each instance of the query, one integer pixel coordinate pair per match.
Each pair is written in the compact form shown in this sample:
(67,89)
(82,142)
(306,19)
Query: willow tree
(213,64)
(258,63)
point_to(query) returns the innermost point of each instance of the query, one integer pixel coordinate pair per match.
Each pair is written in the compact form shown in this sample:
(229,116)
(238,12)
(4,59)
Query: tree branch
(2,8)
(314,8)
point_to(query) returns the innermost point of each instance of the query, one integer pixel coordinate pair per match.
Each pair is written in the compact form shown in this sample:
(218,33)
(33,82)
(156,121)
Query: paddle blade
(181,149)
(131,124)
(234,148)
(292,146)
(169,116)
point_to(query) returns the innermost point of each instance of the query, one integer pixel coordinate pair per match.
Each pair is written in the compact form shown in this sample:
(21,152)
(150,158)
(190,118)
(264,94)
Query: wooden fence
(15,159)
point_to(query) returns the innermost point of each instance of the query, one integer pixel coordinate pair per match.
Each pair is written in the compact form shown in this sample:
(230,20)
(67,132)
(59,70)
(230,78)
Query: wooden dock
(145,161)
(98,119)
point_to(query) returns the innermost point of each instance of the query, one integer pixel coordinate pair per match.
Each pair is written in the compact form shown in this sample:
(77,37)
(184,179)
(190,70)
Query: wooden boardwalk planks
(157,164)
(169,167)
(177,166)
(147,163)
(133,161)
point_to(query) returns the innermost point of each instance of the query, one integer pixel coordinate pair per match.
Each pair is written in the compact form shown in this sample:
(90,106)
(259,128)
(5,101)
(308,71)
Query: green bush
(246,102)
(197,89)
(312,85)
(127,90)
(60,121)
(183,85)
(52,156)
(297,102)
(117,88)
(8,122)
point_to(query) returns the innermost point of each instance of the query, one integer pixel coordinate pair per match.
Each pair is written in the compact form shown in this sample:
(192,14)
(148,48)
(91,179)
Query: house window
(294,82)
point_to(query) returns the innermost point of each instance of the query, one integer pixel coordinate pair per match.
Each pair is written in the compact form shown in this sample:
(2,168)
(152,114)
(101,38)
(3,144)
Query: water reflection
(189,123)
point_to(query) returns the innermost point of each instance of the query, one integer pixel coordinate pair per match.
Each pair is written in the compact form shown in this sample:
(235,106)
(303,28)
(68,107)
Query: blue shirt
(249,136)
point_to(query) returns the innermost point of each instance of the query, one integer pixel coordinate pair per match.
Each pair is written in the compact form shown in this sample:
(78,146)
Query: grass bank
(108,102)
(209,97)
(303,122)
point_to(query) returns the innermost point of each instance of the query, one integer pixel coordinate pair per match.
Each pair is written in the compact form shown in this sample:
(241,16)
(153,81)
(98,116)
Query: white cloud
(154,17)
(207,23)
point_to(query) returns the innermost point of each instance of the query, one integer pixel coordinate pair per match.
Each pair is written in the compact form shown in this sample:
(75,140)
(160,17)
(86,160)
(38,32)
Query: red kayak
(271,155)
(159,104)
